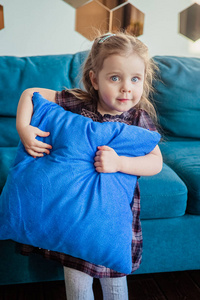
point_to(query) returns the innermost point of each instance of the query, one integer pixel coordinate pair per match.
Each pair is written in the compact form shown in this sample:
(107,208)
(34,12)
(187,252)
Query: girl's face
(119,83)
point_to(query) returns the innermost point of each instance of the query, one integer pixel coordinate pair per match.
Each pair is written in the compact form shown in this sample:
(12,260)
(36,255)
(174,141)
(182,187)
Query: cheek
(105,94)
(139,91)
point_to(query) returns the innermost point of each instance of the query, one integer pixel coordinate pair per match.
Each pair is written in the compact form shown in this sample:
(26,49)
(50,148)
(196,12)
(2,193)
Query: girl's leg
(78,285)
(114,288)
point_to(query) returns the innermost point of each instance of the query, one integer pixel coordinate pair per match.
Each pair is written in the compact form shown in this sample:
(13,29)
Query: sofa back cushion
(177,96)
(19,73)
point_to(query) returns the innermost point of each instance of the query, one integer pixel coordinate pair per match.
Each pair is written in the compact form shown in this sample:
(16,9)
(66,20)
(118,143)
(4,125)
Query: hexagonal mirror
(1,18)
(190,22)
(112,3)
(93,15)
(90,16)
(128,17)
(76,3)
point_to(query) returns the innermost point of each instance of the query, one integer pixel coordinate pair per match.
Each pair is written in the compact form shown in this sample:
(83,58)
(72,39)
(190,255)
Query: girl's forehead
(117,61)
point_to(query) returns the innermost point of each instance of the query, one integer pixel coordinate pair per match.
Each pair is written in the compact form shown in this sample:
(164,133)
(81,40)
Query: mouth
(123,100)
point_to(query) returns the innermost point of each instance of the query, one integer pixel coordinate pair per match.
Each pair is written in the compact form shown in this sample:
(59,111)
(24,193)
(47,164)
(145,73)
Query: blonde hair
(121,43)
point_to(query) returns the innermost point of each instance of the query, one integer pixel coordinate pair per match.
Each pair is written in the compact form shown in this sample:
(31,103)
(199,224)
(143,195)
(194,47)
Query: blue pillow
(59,202)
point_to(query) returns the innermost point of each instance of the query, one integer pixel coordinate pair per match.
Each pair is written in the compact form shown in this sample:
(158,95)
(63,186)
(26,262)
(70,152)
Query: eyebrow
(138,74)
(118,72)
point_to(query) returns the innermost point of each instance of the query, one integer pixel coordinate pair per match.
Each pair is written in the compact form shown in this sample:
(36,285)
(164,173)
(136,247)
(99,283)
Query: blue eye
(114,78)
(135,79)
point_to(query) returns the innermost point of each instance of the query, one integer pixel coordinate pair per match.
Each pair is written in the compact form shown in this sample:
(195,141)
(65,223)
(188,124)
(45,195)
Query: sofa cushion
(163,195)
(177,95)
(59,202)
(184,158)
(9,136)
(7,156)
(50,71)
(54,72)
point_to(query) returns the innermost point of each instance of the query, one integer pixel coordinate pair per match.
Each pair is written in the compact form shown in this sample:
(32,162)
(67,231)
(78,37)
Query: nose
(125,88)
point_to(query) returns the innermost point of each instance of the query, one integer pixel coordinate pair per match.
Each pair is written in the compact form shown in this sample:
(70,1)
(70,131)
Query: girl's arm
(27,132)
(107,161)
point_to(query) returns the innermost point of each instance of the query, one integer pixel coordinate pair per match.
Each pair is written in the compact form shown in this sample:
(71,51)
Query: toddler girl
(117,77)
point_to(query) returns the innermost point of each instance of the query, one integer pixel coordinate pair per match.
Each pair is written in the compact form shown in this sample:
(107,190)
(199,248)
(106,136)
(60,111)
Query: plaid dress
(131,117)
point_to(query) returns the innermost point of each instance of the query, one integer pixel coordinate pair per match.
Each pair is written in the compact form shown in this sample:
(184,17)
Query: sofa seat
(170,245)
(184,157)
(161,198)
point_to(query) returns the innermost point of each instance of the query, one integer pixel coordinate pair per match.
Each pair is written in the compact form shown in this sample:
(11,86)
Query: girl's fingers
(98,167)
(104,148)
(97,164)
(34,150)
(40,150)
(34,154)
(99,152)
(97,158)
(42,133)
(40,144)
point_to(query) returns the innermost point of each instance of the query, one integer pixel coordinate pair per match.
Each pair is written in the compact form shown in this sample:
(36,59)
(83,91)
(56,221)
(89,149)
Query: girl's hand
(106,160)
(34,147)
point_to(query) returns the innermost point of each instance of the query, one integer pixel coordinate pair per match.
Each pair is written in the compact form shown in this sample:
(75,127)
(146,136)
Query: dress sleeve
(61,98)
(69,102)
(145,121)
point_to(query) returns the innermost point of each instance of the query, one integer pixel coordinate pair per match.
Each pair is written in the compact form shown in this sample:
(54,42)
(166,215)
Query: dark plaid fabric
(131,117)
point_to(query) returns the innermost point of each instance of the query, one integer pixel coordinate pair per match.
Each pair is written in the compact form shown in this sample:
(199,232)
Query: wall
(40,27)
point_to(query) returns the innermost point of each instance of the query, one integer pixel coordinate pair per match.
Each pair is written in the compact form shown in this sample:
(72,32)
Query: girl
(117,76)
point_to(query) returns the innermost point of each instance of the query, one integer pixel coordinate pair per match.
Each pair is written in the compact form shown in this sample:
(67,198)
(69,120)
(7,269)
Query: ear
(93,80)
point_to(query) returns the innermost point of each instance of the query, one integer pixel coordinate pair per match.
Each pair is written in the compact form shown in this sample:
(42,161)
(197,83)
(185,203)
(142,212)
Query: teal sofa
(170,201)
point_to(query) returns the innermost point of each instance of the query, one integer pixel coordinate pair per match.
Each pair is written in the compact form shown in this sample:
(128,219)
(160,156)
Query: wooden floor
(162,286)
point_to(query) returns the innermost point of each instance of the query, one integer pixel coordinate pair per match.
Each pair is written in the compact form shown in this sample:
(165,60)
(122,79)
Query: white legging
(79,286)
